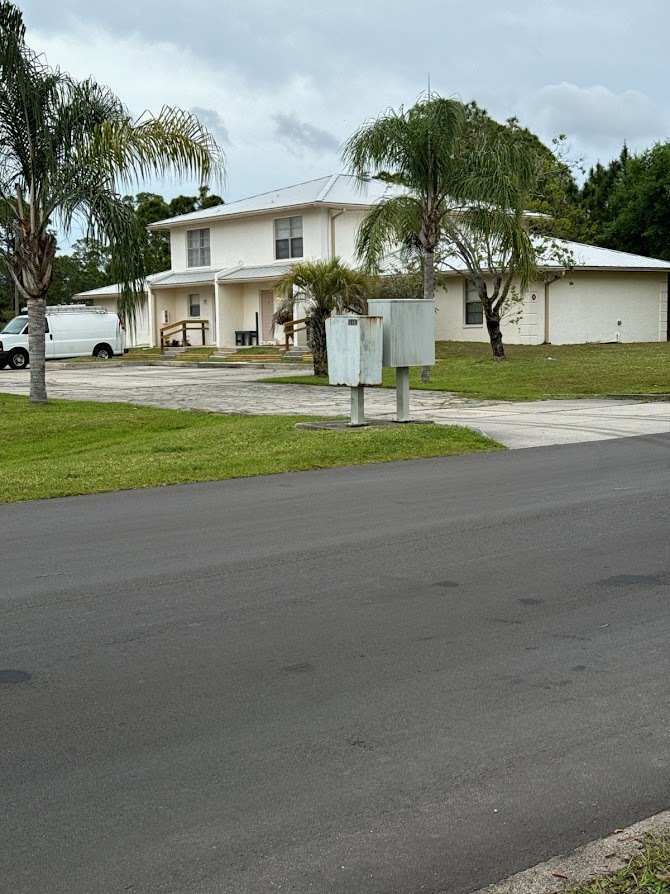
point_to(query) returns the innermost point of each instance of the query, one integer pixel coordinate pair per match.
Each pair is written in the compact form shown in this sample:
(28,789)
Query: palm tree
(325,287)
(415,149)
(66,149)
(463,182)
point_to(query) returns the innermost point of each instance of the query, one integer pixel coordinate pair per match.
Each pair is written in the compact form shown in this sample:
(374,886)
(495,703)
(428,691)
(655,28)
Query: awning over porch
(261,272)
(185,278)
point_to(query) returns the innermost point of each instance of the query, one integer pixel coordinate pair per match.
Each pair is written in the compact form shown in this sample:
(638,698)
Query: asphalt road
(416,677)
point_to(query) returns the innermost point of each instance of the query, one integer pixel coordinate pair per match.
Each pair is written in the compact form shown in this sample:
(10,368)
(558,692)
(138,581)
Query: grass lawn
(647,873)
(529,374)
(72,447)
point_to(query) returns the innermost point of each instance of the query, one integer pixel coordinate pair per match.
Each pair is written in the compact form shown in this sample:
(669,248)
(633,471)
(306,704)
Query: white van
(71,330)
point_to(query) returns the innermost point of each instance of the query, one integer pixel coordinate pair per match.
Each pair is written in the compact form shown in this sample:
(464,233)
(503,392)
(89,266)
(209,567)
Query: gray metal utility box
(354,350)
(409,330)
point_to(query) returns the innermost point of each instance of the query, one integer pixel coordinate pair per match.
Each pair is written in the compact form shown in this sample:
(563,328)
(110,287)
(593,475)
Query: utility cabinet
(355,347)
(409,330)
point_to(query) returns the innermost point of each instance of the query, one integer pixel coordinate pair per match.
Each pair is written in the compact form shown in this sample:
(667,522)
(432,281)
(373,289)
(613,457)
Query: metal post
(358,406)
(402,392)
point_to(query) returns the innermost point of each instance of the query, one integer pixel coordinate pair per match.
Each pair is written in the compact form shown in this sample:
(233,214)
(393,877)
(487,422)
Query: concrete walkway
(515,424)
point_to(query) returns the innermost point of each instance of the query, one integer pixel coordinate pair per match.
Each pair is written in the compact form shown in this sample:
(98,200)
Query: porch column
(217,316)
(151,310)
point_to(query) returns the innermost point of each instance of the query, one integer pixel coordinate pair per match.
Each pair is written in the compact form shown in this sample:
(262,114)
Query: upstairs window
(197,243)
(474,312)
(194,305)
(288,237)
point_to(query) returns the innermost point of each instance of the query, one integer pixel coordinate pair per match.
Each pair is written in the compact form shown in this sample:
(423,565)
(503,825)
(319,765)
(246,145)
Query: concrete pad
(602,857)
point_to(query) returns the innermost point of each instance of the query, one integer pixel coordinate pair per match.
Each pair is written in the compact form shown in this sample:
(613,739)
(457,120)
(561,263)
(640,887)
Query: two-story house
(225,261)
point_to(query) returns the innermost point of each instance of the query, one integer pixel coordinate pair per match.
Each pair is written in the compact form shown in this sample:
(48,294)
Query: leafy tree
(66,147)
(595,196)
(86,268)
(639,204)
(325,287)
(151,207)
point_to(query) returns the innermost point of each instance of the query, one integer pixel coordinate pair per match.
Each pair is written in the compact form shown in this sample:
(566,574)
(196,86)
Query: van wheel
(103,352)
(18,359)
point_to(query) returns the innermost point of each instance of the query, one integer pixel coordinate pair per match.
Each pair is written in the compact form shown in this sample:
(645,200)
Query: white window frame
(201,252)
(292,236)
(469,289)
(192,303)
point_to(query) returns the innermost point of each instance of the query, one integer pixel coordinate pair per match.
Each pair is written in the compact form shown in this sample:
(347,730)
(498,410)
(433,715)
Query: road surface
(416,677)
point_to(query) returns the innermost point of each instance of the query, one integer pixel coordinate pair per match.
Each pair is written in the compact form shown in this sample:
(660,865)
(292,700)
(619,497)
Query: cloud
(595,115)
(301,135)
(213,122)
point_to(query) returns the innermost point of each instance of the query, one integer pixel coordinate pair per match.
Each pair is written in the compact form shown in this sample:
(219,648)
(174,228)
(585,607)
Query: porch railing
(291,328)
(169,331)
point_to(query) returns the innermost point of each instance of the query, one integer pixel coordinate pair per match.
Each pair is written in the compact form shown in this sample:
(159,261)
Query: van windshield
(15,326)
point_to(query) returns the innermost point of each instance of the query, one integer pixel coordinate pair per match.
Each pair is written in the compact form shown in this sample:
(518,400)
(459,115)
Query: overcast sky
(282,84)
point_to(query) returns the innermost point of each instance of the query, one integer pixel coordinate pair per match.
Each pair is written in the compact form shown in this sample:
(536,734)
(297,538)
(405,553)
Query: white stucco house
(226,259)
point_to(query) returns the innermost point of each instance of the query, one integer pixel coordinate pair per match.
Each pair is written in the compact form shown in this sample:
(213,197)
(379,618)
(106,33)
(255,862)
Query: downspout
(667,333)
(332,215)
(546,313)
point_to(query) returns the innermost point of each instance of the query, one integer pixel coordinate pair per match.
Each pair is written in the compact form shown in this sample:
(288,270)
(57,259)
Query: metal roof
(595,257)
(335,190)
(183,278)
(112,291)
(584,257)
(262,271)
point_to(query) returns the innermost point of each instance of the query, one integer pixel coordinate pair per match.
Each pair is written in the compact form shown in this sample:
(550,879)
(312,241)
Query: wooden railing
(169,331)
(291,328)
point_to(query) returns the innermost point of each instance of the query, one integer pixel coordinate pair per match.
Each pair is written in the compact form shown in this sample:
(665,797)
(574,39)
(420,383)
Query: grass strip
(646,873)
(72,447)
(537,372)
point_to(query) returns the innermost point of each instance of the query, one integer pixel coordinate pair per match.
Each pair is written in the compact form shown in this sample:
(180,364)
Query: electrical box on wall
(354,350)
(409,330)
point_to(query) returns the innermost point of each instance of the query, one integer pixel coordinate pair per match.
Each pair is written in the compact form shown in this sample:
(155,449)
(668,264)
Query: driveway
(515,424)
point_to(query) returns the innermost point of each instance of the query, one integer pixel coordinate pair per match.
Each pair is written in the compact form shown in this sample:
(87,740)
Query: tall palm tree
(67,148)
(325,287)
(415,149)
(464,180)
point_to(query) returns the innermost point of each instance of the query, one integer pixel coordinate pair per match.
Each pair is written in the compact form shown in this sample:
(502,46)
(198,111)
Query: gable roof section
(335,190)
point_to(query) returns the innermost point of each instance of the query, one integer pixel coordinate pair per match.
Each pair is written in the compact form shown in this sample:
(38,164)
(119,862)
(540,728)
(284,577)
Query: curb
(604,856)
(170,364)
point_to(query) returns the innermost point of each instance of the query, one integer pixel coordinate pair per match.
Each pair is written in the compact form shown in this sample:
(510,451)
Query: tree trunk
(495,335)
(316,341)
(36,349)
(428,293)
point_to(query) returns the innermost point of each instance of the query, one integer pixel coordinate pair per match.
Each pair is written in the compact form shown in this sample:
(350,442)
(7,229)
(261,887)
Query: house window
(474,312)
(197,242)
(194,305)
(288,237)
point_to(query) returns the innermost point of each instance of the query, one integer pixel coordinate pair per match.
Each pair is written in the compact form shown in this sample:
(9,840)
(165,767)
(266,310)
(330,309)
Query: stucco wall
(598,307)
(450,322)
(250,240)
(584,307)
(138,336)
(175,301)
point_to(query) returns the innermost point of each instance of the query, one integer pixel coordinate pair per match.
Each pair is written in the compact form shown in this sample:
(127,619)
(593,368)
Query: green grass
(72,447)
(529,374)
(647,873)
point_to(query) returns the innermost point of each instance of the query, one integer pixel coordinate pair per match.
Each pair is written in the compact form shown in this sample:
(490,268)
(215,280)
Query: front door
(267,312)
